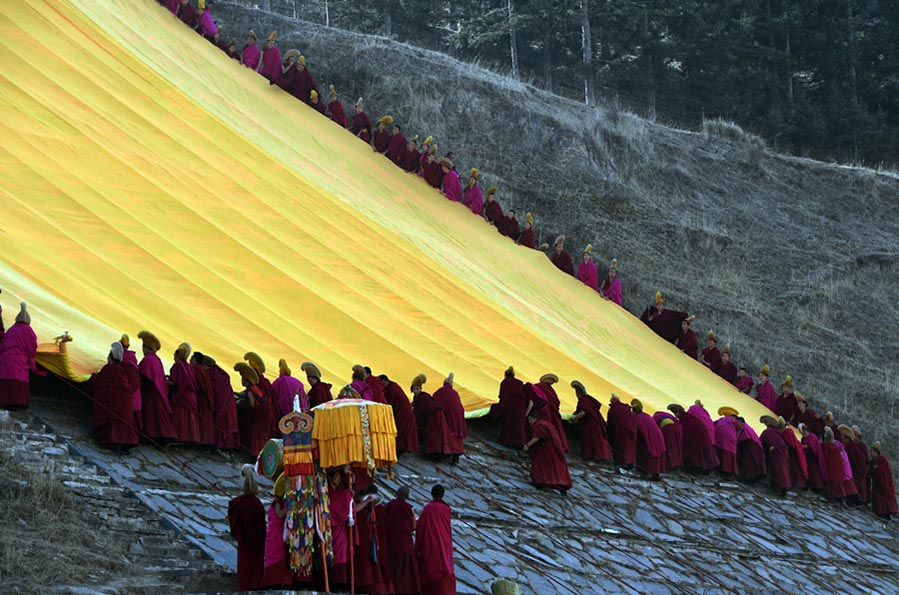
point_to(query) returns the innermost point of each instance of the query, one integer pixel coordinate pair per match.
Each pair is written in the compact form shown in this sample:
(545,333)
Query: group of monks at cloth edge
(291,72)
(393,552)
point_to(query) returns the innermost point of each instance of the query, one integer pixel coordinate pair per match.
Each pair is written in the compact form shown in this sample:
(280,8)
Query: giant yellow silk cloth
(151,182)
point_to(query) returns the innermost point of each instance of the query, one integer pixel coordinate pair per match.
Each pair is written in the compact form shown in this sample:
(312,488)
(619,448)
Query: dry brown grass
(46,542)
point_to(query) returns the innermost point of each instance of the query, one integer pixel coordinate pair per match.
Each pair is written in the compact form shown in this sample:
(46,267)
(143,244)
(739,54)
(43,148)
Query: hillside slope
(793,262)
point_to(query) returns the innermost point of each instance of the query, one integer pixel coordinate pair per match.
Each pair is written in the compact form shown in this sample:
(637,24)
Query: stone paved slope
(613,533)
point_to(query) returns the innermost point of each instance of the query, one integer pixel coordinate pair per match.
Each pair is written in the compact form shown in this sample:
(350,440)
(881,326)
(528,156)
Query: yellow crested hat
(474,173)
(331,91)
(386,120)
(529,217)
(273,36)
(311,370)
(728,411)
(283,368)
(246,372)
(313,94)
(254,360)
(150,340)
(659,299)
(419,380)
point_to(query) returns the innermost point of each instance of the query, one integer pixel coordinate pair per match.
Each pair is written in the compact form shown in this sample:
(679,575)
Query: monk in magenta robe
(473,198)
(549,468)
(726,431)
(206,24)
(303,82)
(777,455)
(413,156)
(205,401)
(883,491)
(112,389)
(674,439)
(664,322)
(814,456)
(750,454)
(172,5)
(744,381)
(375,384)
(450,187)
(271,59)
(451,403)
(2,327)
(526,238)
(510,227)
(434,432)
(700,412)
(509,412)
(434,546)
(226,426)
(251,56)
(154,390)
(275,567)
(319,392)
(17,352)
(341,507)
(287,389)
(764,390)
(687,342)
(586,270)
(561,258)
(544,389)
(187,13)
(726,369)
(246,518)
(785,405)
(699,452)
(622,430)
(711,357)
(396,146)
(834,484)
(183,397)
(594,435)
(650,442)
(400,546)
(611,285)
(406,430)
(493,212)
(335,108)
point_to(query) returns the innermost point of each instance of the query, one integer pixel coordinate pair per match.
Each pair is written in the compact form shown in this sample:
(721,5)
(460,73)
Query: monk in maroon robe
(287,72)
(665,323)
(674,439)
(317,104)
(744,382)
(594,436)
(335,108)
(622,430)
(814,456)
(545,390)
(711,357)
(777,455)
(254,419)
(493,212)
(857,451)
(365,556)
(451,403)
(526,238)
(246,518)
(650,442)
(510,227)
(750,454)
(726,369)
(112,389)
(406,430)
(431,170)
(808,416)
(549,468)
(303,83)
(400,546)
(434,432)
(834,483)
(155,407)
(205,401)
(381,137)
(764,390)
(785,405)
(269,400)
(396,146)
(341,501)
(183,396)
(798,463)
(883,492)
(699,452)
(687,341)
(509,412)
(319,392)
(187,13)
(726,432)
(226,427)
(361,126)
(413,156)
(561,258)
(434,546)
